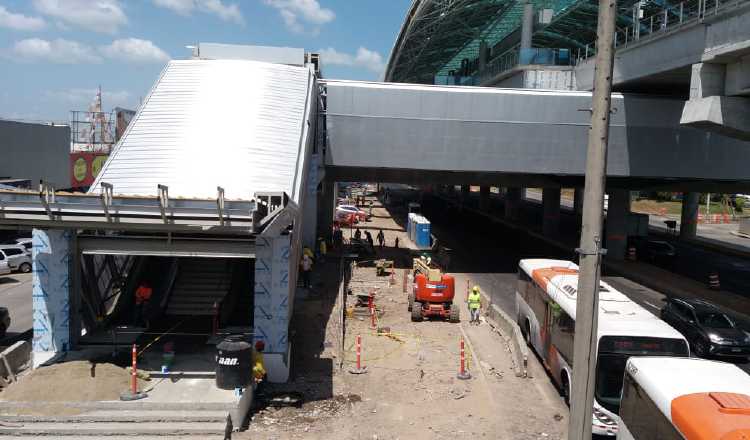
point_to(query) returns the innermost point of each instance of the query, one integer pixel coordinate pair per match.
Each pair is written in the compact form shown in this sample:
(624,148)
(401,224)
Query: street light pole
(590,251)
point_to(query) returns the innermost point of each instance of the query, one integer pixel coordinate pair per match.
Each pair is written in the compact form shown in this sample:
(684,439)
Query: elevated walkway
(417,133)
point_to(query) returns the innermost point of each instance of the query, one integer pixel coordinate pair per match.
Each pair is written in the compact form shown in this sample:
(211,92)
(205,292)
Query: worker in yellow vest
(475,304)
(259,367)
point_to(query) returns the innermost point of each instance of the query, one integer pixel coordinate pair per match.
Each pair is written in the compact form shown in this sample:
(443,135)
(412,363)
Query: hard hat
(260,345)
(475,289)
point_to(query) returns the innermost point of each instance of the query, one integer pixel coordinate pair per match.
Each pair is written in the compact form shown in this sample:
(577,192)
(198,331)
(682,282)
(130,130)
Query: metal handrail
(668,18)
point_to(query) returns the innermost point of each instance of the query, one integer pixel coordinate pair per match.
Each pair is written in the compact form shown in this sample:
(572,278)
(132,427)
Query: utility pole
(590,251)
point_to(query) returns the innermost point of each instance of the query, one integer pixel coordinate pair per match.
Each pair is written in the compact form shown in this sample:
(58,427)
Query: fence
(661,19)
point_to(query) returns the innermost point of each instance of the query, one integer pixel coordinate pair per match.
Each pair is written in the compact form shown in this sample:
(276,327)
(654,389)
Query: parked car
(345,210)
(709,331)
(4,321)
(17,257)
(4,267)
(26,243)
(655,250)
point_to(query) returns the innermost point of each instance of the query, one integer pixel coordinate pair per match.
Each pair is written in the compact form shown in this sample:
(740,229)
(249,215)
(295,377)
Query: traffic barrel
(632,253)
(713,280)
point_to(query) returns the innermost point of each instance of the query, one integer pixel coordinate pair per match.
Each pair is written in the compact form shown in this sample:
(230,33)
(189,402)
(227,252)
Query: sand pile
(76,381)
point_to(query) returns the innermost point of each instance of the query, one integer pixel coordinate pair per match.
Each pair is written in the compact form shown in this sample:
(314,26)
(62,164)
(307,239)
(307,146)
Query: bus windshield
(614,352)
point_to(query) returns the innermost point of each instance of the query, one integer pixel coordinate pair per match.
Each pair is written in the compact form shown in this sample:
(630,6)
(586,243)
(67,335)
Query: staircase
(200,283)
(116,420)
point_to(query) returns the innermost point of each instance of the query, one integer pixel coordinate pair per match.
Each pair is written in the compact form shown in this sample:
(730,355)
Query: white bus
(683,398)
(546,310)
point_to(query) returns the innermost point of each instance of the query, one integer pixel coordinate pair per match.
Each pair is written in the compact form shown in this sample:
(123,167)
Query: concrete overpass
(438,134)
(702,54)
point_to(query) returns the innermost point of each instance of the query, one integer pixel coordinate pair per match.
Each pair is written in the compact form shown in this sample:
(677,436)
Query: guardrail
(663,20)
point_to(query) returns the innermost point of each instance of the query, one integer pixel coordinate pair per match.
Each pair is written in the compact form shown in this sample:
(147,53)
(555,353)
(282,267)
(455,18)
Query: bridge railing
(516,57)
(654,20)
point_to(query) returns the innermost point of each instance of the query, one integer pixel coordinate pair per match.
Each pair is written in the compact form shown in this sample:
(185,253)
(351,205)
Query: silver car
(16,257)
(4,268)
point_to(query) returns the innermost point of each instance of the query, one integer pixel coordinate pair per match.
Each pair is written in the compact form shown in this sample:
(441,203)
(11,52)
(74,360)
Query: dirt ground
(410,390)
(75,381)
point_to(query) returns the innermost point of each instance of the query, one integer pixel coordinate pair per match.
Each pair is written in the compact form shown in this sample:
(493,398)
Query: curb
(511,332)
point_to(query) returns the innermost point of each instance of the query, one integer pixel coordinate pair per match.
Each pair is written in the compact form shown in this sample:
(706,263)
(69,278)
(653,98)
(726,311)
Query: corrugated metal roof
(241,125)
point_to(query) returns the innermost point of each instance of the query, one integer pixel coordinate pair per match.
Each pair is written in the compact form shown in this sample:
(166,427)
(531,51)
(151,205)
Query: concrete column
(617,224)
(527,25)
(50,295)
(326,205)
(512,202)
(578,201)
(465,192)
(484,198)
(484,53)
(551,209)
(689,218)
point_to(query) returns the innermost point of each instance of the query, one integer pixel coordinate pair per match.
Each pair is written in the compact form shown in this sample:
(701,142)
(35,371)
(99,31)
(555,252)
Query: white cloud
(364,57)
(294,12)
(104,16)
(19,22)
(59,51)
(84,96)
(134,50)
(225,11)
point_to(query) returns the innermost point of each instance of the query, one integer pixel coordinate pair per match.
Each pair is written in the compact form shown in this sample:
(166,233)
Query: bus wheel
(566,389)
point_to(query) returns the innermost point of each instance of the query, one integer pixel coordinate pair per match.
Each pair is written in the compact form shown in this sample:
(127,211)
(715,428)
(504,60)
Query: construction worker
(370,203)
(358,234)
(142,298)
(369,239)
(395,243)
(475,304)
(306,270)
(381,238)
(259,366)
(323,248)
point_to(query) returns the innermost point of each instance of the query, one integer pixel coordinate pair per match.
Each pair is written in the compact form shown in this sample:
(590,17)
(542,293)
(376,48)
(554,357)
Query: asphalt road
(489,253)
(15,294)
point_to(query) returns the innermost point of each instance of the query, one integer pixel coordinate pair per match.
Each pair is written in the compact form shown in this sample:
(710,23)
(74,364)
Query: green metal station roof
(438,34)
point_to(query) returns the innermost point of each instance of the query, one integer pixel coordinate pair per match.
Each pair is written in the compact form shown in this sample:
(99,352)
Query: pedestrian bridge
(410,133)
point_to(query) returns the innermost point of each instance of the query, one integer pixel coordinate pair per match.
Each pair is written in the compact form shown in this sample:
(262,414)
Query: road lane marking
(652,305)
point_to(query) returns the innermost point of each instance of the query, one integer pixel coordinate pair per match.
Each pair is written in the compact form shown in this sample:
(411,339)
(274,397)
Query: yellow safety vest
(474,300)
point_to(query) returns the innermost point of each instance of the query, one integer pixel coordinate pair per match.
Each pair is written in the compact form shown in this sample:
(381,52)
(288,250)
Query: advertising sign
(85,167)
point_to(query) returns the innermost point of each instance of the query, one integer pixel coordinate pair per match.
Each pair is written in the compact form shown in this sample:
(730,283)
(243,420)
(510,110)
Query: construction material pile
(76,381)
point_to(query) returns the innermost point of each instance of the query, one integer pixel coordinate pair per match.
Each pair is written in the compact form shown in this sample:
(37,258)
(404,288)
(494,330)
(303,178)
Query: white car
(16,257)
(26,243)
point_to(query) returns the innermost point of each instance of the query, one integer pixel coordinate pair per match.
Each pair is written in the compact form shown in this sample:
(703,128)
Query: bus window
(614,352)
(563,330)
(640,414)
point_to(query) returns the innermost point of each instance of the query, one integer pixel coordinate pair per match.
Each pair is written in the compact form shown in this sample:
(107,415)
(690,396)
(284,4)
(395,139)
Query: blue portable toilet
(423,233)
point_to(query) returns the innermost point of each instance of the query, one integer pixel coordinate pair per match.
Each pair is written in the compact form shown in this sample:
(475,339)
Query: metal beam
(165,247)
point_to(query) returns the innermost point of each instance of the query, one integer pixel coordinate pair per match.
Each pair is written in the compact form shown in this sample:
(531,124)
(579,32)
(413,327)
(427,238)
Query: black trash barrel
(234,356)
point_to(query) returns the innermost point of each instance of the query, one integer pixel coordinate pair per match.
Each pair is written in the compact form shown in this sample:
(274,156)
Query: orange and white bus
(684,399)
(546,311)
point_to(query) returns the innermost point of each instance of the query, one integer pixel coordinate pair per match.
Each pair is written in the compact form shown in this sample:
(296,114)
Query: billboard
(84,167)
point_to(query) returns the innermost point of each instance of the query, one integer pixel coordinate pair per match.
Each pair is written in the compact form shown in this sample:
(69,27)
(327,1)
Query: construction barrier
(463,373)
(359,368)
(510,330)
(134,372)
(713,281)
(632,253)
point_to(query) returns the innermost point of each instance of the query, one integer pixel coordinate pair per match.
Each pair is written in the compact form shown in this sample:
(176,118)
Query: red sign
(85,167)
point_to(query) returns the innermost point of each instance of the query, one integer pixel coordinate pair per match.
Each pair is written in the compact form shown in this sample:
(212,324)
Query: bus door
(546,331)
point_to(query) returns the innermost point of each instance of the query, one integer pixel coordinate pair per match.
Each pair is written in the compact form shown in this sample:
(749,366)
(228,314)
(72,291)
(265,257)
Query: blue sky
(55,53)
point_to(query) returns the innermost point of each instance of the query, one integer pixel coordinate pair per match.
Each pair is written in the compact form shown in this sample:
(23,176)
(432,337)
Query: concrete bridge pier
(512,202)
(551,210)
(484,198)
(618,211)
(689,217)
